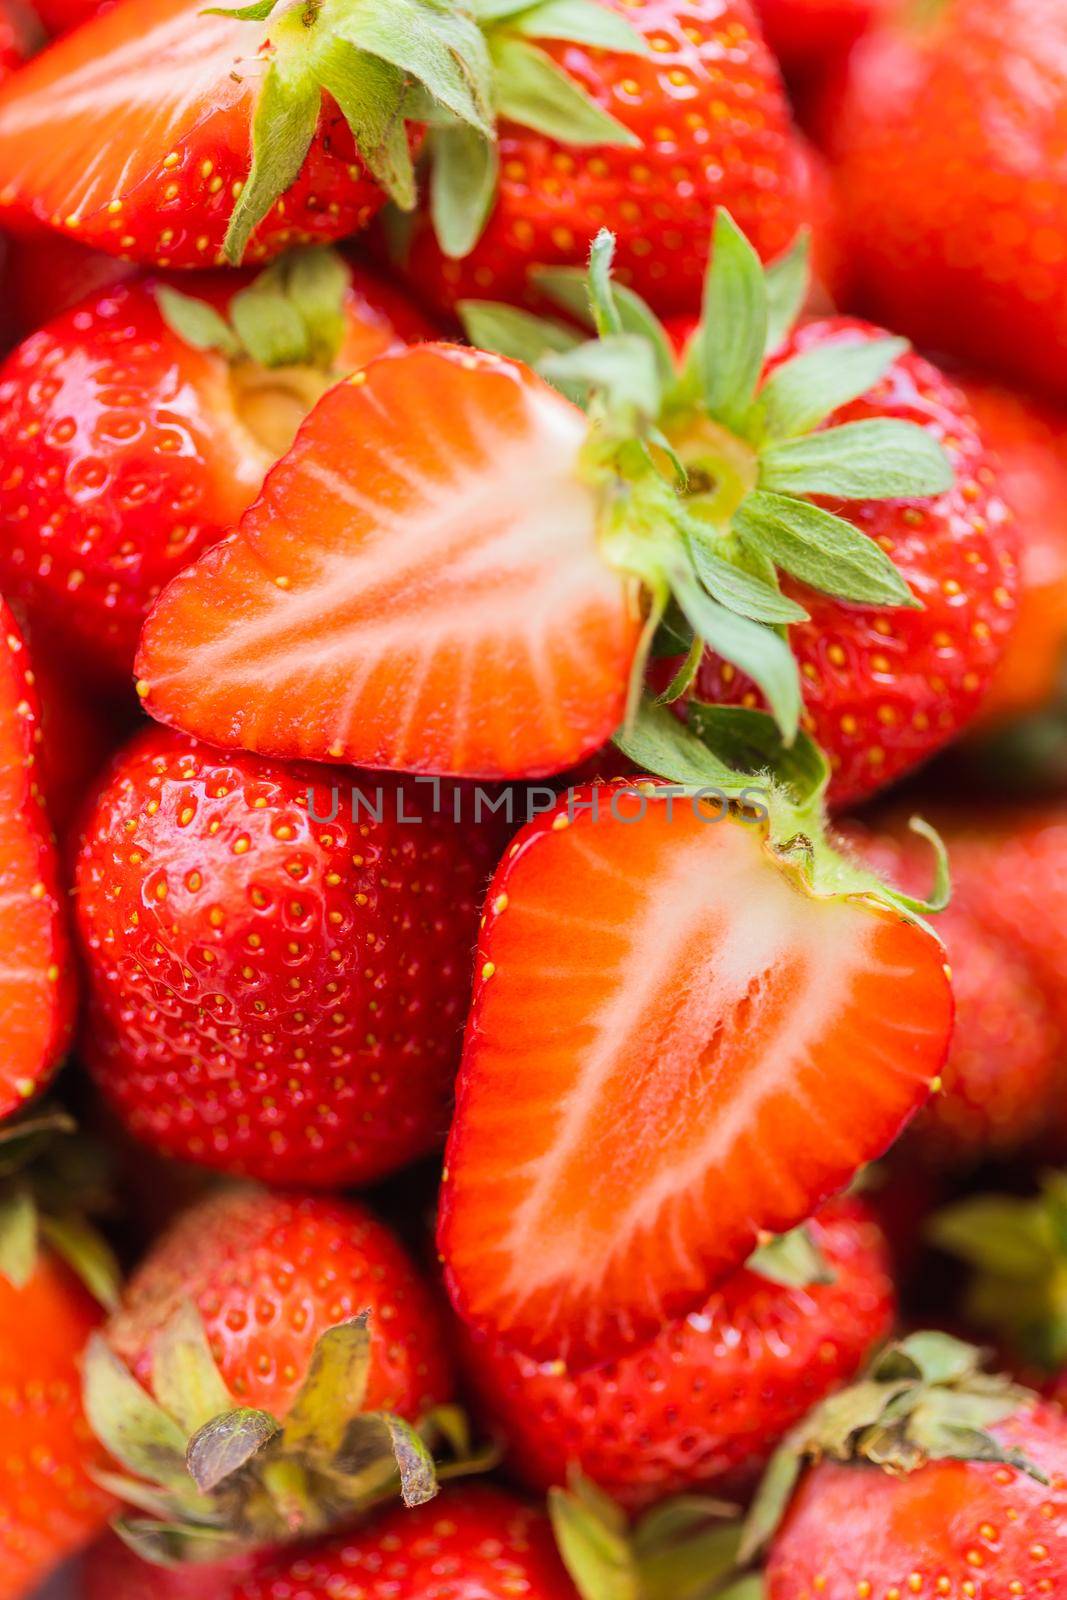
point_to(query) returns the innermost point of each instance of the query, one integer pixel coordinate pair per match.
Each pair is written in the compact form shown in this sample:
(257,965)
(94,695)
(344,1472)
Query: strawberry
(474,1543)
(948,136)
(708,1399)
(1030,441)
(135,429)
(550,542)
(46,274)
(709,125)
(971,1501)
(271,993)
(882,691)
(1004,1069)
(284,1337)
(250,129)
(688,939)
(36,979)
(810,36)
(50,1505)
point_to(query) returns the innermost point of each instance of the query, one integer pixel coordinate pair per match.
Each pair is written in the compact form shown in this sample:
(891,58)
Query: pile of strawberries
(533,800)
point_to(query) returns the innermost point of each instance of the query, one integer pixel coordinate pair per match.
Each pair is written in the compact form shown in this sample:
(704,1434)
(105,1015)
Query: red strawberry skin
(46,274)
(884,689)
(36,977)
(59,16)
(473,1542)
(1004,1067)
(16,36)
(949,145)
(124,453)
(970,1529)
(269,1273)
(1030,442)
(811,35)
(702,1405)
(646,1070)
(708,106)
(50,1508)
(164,96)
(272,995)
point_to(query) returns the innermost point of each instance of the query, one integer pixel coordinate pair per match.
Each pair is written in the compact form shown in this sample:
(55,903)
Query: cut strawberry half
(419,586)
(36,1003)
(676,1043)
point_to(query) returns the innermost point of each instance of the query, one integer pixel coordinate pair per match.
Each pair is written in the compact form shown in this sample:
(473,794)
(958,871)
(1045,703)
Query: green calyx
(685,1549)
(1017,1249)
(792,1260)
(290,315)
(923,1400)
(707,466)
(50,1183)
(213,1477)
(736,754)
(454,65)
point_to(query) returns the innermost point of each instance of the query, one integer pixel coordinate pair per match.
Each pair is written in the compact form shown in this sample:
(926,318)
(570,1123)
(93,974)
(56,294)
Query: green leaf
(685,676)
(750,741)
(195,322)
(997,1233)
(752,647)
(316,283)
(283,126)
(18,1235)
(226,1444)
(374,1439)
(128,1422)
(491,325)
(882,459)
(167,1544)
(658,743)
(185,1379)
(941,890)
(580,22)
(594,1547)
(333,1391)
(772,1498)
(258,12)
(270,327)
(822,550)
(536,93)
(793,1260)
(463,179)
(371,95)
(787,279)
(621,368)
(810,387)
(568,288)
(737,589)
(441,48)
(606,318)
(85,1252)
(733,336)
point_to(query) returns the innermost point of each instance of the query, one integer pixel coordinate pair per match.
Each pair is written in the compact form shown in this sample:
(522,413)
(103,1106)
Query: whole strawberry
(707,1400)
(708,125)
(274,1367)
(949,140)
(36,975)
(884,689)
(473,1543)
(136,428)
(930,1477)
(270,993)
(460,569)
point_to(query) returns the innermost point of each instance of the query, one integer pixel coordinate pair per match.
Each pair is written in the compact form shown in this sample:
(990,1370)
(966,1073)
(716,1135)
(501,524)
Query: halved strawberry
(36,999)
(687,1027)
(419,585)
